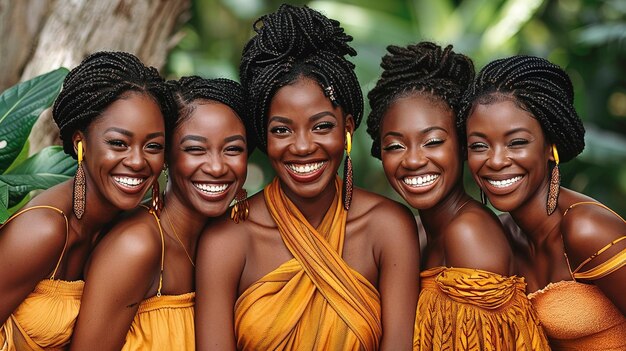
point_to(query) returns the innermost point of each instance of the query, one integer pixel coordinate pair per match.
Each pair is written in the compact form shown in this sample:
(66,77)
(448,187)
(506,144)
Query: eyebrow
(130,134)
(204,140)
(423,131)
(315,117)
(512,131)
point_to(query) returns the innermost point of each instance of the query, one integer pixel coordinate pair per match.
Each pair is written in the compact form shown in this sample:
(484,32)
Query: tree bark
(40,35)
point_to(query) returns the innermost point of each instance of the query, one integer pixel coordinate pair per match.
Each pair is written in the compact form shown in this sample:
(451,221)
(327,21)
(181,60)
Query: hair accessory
(347,174)
(80,185)
(555,181)
(241,209)
(330,92)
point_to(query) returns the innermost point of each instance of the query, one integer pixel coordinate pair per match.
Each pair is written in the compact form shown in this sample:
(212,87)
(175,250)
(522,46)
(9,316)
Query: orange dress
(314,301)
(163,322)
(472,309)
(578,316)
(45,319)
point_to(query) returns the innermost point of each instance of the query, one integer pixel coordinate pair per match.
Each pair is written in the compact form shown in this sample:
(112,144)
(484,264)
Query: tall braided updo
(97,82)
(424,69)
(191,91)
(537,86)
(294,42)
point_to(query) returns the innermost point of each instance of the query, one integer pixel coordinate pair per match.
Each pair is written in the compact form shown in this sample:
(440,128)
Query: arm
(40,236)
(398,251)
(123,267)
(221,258)
(587,229)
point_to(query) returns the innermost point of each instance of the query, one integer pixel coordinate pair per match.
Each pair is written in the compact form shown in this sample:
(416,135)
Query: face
(420,150)
(507,154)
(208,160)
(305,138)
(124,150)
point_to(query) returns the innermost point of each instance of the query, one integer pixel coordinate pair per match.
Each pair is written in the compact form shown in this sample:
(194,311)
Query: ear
(349,124)
(76,137)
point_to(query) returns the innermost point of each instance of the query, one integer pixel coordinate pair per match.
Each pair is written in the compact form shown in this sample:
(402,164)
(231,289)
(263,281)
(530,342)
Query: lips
(504,183)
(212,191)
(129,184)
(420,181)
(306,172)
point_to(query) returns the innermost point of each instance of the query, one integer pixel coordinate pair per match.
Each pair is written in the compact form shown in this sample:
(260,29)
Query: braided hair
(97,82)
(191,91)
(296,42)
(537,86)
(422,69)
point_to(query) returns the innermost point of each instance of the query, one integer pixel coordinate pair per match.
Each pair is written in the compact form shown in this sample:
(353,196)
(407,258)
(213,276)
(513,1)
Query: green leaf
(20,106)
(4,202)
(43,170)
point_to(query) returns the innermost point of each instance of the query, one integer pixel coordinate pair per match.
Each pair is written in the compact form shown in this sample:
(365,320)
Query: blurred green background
(587,38)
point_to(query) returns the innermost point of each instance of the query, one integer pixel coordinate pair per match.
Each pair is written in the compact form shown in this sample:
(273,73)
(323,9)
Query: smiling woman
(111,113)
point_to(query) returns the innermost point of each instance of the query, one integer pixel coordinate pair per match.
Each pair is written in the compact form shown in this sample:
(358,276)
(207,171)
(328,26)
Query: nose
(414,158)
(303,144)
(215,166)
(498,158)
(135,160)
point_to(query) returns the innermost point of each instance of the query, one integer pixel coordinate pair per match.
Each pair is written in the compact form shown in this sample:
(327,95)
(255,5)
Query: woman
(521,123)
(413,127)
(110,113)
(151,253)
(309,269)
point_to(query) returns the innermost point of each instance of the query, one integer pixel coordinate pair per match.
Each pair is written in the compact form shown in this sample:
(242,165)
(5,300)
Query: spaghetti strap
(594,203)
(158,221)
(67,229)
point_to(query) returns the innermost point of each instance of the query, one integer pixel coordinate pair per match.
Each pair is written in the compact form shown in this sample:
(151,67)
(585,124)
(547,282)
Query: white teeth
(211,188)
(505,182)
(303,169)
(129,181)
(420,181)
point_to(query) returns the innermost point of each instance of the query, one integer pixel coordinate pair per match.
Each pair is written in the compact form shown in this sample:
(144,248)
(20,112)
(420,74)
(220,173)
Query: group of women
(311,262)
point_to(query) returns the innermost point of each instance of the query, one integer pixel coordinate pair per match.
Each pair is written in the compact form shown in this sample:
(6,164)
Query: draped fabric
(163,323)
(314,301)
(472,309)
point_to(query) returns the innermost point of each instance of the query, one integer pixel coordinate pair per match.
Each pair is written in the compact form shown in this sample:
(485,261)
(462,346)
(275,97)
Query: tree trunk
(37,36)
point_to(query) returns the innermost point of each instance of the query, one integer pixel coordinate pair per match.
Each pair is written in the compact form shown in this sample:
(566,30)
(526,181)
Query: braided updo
(294,42)
(424,68)
(537,86)
(97,82)
(190,91)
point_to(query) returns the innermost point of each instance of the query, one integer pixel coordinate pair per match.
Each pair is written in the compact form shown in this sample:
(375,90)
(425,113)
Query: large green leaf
(43,170)
(20,106)
(4,202)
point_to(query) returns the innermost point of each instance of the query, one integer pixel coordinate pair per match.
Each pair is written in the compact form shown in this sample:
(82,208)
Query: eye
(234,150)
(155,146)
(324,126)
(433,142)
(279,130)
(477,147)
(393,146)
(194,149)
(518,142)
(116,143)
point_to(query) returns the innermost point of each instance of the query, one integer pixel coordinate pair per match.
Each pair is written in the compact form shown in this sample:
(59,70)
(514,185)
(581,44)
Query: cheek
(239,166)
(391,163)
(156,162)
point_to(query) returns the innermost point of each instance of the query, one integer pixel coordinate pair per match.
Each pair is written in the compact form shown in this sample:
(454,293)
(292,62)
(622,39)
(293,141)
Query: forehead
(303,98)
(133,111)
(211,118)
(501,116)
(417,112)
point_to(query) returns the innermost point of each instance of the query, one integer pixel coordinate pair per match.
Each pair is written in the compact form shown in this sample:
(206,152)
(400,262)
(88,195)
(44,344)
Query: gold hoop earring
(79,192)
(241,209)
(555,184)
(347,174)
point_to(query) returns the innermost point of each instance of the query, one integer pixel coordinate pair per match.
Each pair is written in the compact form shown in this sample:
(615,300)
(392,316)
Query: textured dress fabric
(314,301)
(472,309)
(45,319)
(163,322)
(578,316)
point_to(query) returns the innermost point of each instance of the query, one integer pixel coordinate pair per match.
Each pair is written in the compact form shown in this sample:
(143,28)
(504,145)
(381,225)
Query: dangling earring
(555,181)
(80,187)
(347,174)
(241,209)
(157,199)
(483,197)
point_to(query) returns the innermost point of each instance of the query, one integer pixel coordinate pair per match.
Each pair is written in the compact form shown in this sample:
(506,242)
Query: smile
(420,180)
(305,168)
(128,181)
(505,182)
(211,188)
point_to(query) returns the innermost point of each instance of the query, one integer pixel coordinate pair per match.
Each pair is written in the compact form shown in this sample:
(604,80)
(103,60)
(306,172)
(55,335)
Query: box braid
(191,91)
(98,81)
(296,42)
(537,86)
(423,69)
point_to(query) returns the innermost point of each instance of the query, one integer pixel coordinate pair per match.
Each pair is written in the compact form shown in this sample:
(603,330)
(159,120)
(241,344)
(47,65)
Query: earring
(555,181)
(80,188)
(241,209)
(347,174)
(157,200)
(483,197)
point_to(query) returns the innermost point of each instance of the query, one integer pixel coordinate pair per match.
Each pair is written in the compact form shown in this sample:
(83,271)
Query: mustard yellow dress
(472,309)
(163,322)
(314,301)
(578,316)
(45,319)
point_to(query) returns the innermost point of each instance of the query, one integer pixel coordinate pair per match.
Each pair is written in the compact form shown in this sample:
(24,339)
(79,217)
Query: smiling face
(507,154)
(208,160)
(420,150)
(305,138)
(124,150)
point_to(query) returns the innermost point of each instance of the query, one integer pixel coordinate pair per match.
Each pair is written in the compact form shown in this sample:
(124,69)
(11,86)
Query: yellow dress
(163,322)
(472,309)
(314,301)
(578,316)
(45,319)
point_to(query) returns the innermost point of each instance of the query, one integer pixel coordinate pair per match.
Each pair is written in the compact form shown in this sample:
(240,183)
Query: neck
(98,212)
(436,218)
(313,209)
(533,219)
(187,222)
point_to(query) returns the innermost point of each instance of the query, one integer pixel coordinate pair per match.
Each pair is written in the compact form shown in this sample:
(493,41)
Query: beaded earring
(347,174)
(80,185)
(555,181)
